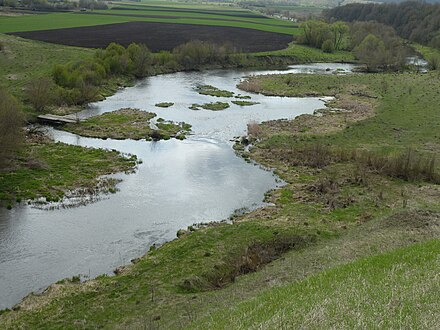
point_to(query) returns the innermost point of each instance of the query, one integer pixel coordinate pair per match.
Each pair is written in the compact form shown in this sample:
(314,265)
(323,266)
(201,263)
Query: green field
(77,19)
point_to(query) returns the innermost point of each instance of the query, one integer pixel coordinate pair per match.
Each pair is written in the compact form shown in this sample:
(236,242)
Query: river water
(179,183)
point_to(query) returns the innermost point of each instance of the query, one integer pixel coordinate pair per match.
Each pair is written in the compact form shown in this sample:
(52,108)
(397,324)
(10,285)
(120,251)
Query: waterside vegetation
(128,124)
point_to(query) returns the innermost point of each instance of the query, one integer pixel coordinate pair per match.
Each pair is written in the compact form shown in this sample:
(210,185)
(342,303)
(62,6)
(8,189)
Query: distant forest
(415,21)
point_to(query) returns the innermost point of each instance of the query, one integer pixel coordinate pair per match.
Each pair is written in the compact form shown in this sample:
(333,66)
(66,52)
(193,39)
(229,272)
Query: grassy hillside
(22,61)
(396,289)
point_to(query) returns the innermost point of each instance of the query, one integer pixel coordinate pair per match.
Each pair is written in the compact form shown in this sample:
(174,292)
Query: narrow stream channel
(179,183)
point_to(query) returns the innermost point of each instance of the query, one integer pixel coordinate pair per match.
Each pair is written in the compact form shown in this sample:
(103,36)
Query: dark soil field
(161,36)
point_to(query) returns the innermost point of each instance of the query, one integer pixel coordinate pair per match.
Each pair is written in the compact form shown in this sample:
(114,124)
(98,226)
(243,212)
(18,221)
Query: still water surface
(179,183)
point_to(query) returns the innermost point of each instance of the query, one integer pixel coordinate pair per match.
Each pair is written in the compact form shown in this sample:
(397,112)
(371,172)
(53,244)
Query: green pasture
(54,21)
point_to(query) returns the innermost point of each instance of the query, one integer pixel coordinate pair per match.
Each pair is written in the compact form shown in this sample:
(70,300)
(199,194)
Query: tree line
(79,82)
(326,36)
(375,44)
(54,4)
(416,21)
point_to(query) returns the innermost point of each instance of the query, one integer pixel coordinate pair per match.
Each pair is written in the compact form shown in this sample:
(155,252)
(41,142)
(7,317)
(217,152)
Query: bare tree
(39,93)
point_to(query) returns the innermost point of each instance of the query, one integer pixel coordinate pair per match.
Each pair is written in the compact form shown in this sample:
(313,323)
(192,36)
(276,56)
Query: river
(179,183)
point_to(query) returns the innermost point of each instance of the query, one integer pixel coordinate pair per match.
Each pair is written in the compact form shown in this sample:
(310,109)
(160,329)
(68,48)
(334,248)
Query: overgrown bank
(59,79)
(44,171)
(331,212)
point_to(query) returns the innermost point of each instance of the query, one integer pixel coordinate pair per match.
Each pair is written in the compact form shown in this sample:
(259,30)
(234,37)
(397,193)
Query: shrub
(11,121)
(328,46)
(39,93)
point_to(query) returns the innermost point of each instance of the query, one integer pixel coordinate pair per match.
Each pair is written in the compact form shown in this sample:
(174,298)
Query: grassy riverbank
(47,170)
(331,213)
(390,289)
(128,124)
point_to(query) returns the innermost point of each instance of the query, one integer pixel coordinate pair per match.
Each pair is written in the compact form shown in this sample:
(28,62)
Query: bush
(80,80)
(378,46)
(39,93)
(11,121)
(327,46)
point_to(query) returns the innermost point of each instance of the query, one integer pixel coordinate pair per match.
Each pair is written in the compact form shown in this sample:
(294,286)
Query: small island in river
(129,124)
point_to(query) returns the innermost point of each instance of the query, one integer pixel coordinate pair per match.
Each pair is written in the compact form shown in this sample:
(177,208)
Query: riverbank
(330,213)
(45,172)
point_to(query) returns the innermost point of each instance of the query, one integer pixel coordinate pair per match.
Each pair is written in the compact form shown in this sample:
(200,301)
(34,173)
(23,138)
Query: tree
(340,30)
(372,52)
(141,60)
(316,32)
(11,121)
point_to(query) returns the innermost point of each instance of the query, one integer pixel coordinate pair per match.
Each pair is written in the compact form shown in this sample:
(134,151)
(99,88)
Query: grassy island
(128,124)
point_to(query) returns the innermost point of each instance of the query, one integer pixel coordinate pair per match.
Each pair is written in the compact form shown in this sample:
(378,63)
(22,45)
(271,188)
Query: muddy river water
(179,183)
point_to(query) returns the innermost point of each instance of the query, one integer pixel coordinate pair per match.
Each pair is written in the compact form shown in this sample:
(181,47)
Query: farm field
(161,36)
(243,19)
(160,27)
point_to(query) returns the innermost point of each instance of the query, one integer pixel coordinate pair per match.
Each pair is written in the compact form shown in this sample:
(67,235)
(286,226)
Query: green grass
(305,54)
(25,60)
(198,15)
(407,115)
(396,289)
(426,51)
(150,292)
(164,104)
(213,106)
(244,103)
(213,91)
(49,169)
(68,20)
(128,124)
(184,5)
